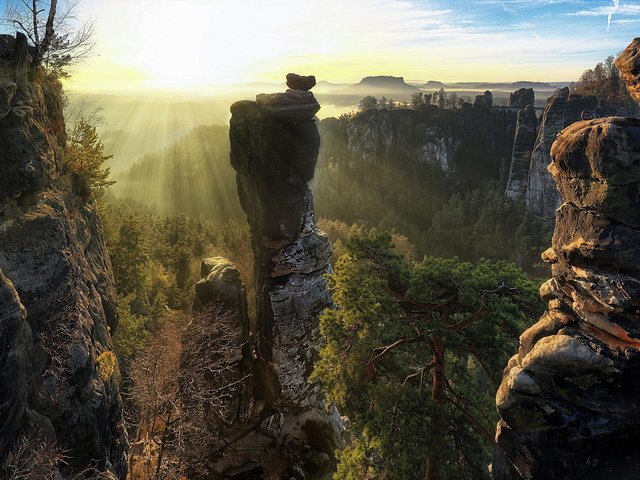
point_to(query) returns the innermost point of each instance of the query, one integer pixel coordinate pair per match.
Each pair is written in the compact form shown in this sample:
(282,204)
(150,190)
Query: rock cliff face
(628,63)
(221,292)
(522,98)
(525,137)
(274,149)
(484,100)
(426,136)
(568,400)
(59,375)
(562,109)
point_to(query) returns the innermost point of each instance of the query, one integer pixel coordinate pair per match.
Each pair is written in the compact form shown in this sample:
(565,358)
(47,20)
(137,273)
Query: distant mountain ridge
(380,85)
(435,84)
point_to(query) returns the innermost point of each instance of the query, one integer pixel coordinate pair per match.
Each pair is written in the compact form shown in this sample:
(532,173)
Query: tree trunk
(434,467)
(163,442)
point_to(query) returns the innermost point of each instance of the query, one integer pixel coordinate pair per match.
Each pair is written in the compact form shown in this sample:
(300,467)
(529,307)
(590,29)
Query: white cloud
(616,8)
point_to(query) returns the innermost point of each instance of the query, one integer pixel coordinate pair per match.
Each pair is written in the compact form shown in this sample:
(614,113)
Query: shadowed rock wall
(60,378)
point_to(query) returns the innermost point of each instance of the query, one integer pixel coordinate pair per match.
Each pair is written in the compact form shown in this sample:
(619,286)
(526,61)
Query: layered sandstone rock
(274,149)
(426,137)
(14,357)
(628,63)
(569,399)
(221,297)
(60,378)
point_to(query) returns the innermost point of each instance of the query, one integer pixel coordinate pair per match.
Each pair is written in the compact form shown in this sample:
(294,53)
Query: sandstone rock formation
(428,136)
(221,293)
(522,97)
(299,82)
(628,63)
(484,100)
(525,137)
(569,399)
(59,377)
(562,109)
(274,149)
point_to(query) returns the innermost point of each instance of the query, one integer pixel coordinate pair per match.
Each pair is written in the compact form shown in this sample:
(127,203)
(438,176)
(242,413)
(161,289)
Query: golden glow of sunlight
(187,44)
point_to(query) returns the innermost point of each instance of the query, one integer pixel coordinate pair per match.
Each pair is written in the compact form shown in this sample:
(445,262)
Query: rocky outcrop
(300,82)
(568,399)
(484,100)
(59,378)
(15,343)
(274,149)
(522,98)
(221,297)
(628,63)
(426,137)
(525,137)
(562,109)
(27,162)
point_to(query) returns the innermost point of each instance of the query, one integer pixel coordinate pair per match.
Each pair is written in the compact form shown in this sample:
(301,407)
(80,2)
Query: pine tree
(413,358)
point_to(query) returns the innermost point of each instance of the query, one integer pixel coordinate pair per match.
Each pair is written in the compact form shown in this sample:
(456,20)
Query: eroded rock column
(570,399)
(521,157)
(274,149)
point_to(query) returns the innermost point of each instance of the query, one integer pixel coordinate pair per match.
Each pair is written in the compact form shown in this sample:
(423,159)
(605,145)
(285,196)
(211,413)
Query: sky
(182,45)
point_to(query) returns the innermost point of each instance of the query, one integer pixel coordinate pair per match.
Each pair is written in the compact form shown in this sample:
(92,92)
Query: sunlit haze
(190,44)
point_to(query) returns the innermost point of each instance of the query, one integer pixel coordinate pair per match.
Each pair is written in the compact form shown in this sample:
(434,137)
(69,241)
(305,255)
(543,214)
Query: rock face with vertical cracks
(569,399)
(562,109)
(522,98)
(58,376)
(274,149)
(522,148)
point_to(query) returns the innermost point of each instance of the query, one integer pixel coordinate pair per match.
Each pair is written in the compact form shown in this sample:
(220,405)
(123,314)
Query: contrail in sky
(616,3)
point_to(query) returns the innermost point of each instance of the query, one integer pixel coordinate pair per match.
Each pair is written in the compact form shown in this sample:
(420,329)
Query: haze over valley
(337,240)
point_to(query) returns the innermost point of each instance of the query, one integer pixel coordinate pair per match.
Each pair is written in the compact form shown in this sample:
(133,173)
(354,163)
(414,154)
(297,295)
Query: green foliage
(368,103)
(413,357)
(132,330)
(463,215)
(156,263)
(84,158)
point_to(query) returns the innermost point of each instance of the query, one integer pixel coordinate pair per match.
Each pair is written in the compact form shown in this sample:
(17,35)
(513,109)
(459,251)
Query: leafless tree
(59,37)
(154,392)
(185,385)
(33,456)
(212,381)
